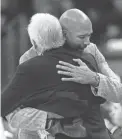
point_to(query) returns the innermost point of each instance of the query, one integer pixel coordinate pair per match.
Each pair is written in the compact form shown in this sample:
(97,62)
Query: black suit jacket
(36,84)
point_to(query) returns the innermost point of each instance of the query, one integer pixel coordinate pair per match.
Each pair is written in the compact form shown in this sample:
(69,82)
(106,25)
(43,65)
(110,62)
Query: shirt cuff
(97,91)
(109,88)
(94,90)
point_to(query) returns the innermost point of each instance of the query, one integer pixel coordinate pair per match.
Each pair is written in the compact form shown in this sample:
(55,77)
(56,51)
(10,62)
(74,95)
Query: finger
(8,134)
(67,64)
(63,67)
(79,61)
(68,79)
(65,73)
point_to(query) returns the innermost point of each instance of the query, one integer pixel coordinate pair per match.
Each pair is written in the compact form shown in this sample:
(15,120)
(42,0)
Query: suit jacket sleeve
(20,85)
(110,86)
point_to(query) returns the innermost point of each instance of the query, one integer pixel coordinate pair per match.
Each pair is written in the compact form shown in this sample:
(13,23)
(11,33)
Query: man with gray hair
(45,33)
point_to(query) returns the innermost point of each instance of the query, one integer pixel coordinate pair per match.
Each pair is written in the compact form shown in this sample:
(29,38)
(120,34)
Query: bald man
(78,29)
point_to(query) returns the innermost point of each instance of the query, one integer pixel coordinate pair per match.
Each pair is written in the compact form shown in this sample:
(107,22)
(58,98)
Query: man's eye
(81,37)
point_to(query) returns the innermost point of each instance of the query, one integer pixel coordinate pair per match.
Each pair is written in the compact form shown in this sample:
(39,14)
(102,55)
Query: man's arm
(21,85)
(110,86)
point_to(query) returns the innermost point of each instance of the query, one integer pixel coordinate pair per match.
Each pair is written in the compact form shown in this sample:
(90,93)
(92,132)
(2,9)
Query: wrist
(96,79)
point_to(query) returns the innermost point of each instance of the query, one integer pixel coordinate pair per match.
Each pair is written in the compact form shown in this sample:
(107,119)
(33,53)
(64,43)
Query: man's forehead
(84,33)
(81,29)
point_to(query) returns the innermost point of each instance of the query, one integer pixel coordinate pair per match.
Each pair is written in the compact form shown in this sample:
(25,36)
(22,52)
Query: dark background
(106,16)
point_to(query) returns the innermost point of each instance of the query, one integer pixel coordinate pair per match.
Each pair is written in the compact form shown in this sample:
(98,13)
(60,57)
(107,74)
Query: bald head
(77,28)
(75,20)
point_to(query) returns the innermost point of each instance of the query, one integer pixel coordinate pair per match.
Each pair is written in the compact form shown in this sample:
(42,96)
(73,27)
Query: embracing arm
(20,85)
(110,86)
(107,82)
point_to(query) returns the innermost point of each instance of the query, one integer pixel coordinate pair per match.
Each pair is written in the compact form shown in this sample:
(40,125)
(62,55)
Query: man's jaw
(82,48)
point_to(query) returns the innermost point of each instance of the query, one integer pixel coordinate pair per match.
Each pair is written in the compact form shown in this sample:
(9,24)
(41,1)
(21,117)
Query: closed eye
(83,36)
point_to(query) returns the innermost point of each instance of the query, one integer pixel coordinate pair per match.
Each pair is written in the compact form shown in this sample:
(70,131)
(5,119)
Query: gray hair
(46,31)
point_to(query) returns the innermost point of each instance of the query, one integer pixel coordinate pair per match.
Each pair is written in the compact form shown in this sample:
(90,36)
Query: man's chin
(85,46)
(82,48)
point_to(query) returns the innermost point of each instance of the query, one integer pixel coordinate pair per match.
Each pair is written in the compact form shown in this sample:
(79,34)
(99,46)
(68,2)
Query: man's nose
(87,41)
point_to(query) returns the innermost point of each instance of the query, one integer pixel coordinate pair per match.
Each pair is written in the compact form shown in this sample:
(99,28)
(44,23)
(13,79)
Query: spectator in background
(2,132)
(116,114)
(114,119)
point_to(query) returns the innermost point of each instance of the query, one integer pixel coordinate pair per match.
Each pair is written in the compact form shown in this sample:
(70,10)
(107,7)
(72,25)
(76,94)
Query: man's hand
(80,74)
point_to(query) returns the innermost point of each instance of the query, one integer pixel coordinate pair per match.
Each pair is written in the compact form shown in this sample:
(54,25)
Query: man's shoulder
(29,63)
(27,67)
(36,66)
(35,62)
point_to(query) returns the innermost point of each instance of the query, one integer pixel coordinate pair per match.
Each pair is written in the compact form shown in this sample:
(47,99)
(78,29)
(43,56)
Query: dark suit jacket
(37,84)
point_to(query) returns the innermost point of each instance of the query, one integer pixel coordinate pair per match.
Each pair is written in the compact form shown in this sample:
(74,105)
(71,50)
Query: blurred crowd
(106,16)
(113,118)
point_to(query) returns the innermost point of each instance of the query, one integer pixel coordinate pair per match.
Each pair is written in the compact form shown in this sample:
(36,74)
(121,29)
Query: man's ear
(36,48)
(64,32)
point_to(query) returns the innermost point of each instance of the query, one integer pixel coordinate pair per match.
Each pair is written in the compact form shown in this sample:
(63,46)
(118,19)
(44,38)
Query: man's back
(38,75)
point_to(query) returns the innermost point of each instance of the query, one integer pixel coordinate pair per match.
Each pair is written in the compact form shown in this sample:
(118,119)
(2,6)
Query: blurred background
(106,16)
